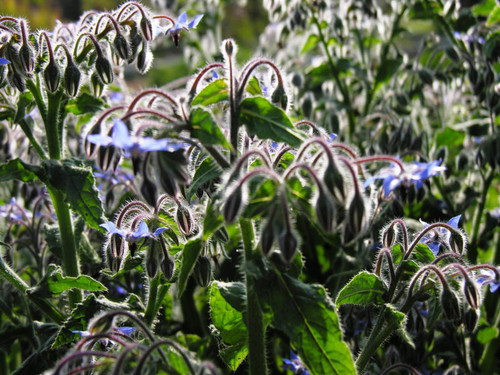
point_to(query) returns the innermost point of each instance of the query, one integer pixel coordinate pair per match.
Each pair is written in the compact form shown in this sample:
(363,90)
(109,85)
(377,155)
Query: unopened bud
(167,264)
(184,220)
(288,244)
(143,61)
(72,77)
(389,236)
(325,211)
(356,214)
(52,76)
(267,236)
(202,271)
(457,242)
(229,47)
(307,105)
(449,303)
(101,324)
(233,204)
(153,258)
(104,69)
(16,80)
(108,157)
(279,97)
(334,182)
(112,261)
(96,84)
(121,46)
(148,191)
(471,293)
(26,58)
(135,40)
(146,28)
(471,318)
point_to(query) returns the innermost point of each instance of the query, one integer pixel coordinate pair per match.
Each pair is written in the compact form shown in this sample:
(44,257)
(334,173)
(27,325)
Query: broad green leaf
(253,86)
(311,42)
(208,171)
(486,334)
(392,315)
(190,254)
(15,170)
(205,128)
(24,106)
(422,254)
(267,121)
(212,221)
(77,183)
(494,16)
(214,92)
(260,198)
(307,316)
(484,8)
(229,321)
(364,289)
(84,103)
(386,71)
(55,283)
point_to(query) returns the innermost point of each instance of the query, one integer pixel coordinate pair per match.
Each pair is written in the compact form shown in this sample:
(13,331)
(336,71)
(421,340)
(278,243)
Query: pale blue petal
(151,144)
(159,231)
(121,136)
(494,287)
(143,231)
(453,222)
(99,139)
(195,21)
(391,183)
(182,19)
(111,228)
(126,330)
(434,246)
(4,61)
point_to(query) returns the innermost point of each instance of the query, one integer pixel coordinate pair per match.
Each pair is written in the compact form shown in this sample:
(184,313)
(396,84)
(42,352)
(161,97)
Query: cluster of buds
(92,48)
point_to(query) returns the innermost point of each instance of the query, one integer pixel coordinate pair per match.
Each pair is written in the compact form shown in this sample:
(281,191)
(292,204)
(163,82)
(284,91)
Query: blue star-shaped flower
(182,24)
(489,277)
(295,364)
(413,173)
(438,236)
(132,145)
(142,231)
(4,61)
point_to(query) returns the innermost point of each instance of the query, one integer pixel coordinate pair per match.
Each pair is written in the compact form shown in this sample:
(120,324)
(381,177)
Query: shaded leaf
(205,128)
(15,169)
(386,71)
(214,92)
(84,104)
(190,254)
(253,86)
(207,172)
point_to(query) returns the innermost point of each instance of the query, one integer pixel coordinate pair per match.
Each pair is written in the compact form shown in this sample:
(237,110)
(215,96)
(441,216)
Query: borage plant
(207,230)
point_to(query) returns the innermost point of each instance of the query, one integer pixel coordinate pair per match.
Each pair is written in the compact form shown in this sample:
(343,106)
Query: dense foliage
(328,207)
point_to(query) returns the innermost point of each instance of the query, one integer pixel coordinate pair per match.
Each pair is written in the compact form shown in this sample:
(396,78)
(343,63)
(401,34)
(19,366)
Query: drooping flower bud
(449,303)
(334,182)
(184,220)
(471,293)
(143,60)
(52,76)
(135,40)
(104,69)
(72,77)
(233,204)
(96,84)
(288,244)
(457,242)
(267,236)
(101,324)
(108,157)
(167,264)
(26,58)
(279,97)
(146,28)
(325,211)
(471,318)
(148,191)
(389,236)
(112,261)
(356,214)
(16,80)
(202,271)
(153,258)
(121,46)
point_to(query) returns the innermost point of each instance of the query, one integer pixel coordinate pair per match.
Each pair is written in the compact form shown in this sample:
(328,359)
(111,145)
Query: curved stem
(249,68)
(149,92)
(154,346)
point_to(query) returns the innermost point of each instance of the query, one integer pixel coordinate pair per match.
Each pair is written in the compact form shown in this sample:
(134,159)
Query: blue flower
(413,173)
(489,277)
(126,330)
(439,236)
(141,232)
(4,61)
(295,364)
(182,24)
(132,145)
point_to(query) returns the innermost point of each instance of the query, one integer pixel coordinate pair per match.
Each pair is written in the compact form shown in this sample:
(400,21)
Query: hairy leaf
(190,254)
(214,92)
(364,289)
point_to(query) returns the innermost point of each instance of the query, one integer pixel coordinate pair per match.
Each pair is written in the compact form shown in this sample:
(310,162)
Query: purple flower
(182,24)
(4,61)
(413,173)
(489,277)
(295,364)
(141,232)
(439,236)
(132,145)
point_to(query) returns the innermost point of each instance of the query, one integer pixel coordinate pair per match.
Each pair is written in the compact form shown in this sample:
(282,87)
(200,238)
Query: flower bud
(153,258)
(184,220)
(167,264)
(101,324)
(229,47)
(26,58)
(356,214)
(233,204)
(96,84)
(279,97)
(389,236)
(307,105)
(52,76)
(71,79)
(143,60)
(112,261)
(202,271)
(334,182)
(471,318)
(267,236)
(146,28)
(170,170)
(148,191)
(16,80)
(104,69)
(449,303)
(3,75)
(471,293)
(288,244)
(121,46)
(325,211)
(457,242)
(108,157)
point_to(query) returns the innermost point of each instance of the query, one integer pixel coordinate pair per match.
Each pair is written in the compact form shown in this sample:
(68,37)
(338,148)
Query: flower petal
(142,231)
(453,222)
(121,136)
(4,61)
(182,19)
(111,228)
(159,231)
(99,139)
(196,20)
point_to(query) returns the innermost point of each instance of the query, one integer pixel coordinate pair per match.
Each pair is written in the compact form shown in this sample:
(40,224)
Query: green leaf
(190,254)
(214,92)
(15,170)
(84,103)
(311,42)
(205,128)
(253,86)
(55,283)
(307,316)
(267,121)
(207,172)
(364,289)
(77,183)
(24,106)
(386,71)
(484,8)
(391,314)
(422,254)
(494,16)
(486,334)
(229,321)
(212,221)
